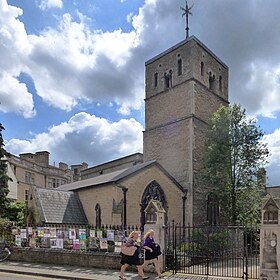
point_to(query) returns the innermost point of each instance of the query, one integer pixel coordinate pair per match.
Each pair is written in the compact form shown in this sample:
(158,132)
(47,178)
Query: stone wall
(67,257)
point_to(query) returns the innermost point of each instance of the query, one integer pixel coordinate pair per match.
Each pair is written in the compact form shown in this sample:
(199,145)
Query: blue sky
(72,72)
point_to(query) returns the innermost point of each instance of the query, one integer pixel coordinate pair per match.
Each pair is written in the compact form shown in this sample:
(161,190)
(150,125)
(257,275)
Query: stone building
(185,85)
(34,170)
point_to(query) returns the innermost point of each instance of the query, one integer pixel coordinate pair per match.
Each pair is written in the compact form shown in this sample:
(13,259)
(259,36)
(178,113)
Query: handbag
(157,249)
(128,251)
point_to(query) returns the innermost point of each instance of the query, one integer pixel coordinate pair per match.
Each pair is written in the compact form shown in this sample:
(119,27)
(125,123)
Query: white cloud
(48,4)
(84,138)
(14,97)
(273,143)
(14,46)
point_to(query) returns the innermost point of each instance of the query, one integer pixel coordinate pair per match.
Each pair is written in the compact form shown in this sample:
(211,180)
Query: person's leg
(157,267)
(141,272)
(123,268)
(144,265)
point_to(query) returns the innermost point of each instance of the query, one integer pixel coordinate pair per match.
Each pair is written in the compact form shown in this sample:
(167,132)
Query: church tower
(185,85)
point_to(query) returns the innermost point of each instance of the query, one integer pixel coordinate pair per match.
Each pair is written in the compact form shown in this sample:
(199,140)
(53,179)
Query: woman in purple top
(152,251)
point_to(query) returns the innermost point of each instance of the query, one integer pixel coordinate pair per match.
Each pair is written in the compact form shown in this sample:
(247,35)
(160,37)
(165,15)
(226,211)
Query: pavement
(85,273)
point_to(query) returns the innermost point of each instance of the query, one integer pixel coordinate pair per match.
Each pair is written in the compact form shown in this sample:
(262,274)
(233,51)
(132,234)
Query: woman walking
(152,251)
(134,259)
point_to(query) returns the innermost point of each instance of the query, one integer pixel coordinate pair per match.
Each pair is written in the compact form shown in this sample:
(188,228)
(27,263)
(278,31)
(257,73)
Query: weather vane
(187,13)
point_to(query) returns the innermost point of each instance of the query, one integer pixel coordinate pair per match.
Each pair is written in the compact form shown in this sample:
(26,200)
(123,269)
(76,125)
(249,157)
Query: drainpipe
(124,189)
(184,198)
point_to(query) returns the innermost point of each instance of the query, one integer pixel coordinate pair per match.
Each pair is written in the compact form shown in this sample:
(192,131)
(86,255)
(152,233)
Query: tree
(4,178)
(15,212)
(233,160)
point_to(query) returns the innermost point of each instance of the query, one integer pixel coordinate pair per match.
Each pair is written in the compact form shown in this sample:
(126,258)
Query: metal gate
(224,251)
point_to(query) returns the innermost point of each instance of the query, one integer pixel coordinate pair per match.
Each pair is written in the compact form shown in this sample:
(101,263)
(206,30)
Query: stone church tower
(185,85)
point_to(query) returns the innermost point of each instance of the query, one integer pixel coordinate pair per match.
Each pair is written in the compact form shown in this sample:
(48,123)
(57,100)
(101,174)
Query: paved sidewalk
(84,273)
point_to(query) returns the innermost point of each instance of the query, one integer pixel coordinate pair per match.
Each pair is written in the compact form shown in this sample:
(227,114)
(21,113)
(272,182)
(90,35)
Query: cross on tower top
(187,13)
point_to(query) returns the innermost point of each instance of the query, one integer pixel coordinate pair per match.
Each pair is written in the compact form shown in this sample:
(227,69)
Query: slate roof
(60,207)
(105,178)
(114,177)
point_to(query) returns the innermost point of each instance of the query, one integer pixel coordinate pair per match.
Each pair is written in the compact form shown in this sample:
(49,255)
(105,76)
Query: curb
(44,274)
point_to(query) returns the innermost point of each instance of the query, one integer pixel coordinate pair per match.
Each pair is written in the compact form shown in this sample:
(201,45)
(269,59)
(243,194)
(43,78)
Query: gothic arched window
(152,192)
(97,216)
(212,205)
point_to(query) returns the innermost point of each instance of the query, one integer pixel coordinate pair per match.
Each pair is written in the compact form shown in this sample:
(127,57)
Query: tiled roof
(60,207)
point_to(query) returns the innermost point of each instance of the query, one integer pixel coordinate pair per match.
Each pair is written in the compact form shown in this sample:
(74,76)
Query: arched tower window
(220,83)
(179,65)
(168,79)
(202,68)
(211,80)
(97,215)
(156,79)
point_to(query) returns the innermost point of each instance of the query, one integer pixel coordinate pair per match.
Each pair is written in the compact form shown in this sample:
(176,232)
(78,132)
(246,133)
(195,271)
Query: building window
(212,205)
(29,178)
(98,216)
(211,81)
(168,79)
(26,193)
(151,216)
(271,217)
(179,67)
(201,68)
(156,79)
(220,83)
(54,183)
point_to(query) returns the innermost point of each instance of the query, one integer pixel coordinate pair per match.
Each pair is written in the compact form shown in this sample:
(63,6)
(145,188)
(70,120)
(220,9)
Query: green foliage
(15,212)
(4,178)
(234,156)
(207,243)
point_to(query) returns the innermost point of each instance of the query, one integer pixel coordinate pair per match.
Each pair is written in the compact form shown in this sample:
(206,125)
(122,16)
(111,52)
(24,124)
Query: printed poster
(72,233)
(83,244)
(47,232)
(92,243)
(23,233)
(110,235)
(18,240)
(99,234)
(40,231)
(53,243)
(59,233)
(52,232)
(121,236)
(118,245)
(59,243)
(76,244)
(29,231)
(91,233)
(15,231)
(103,243)
(82,234)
